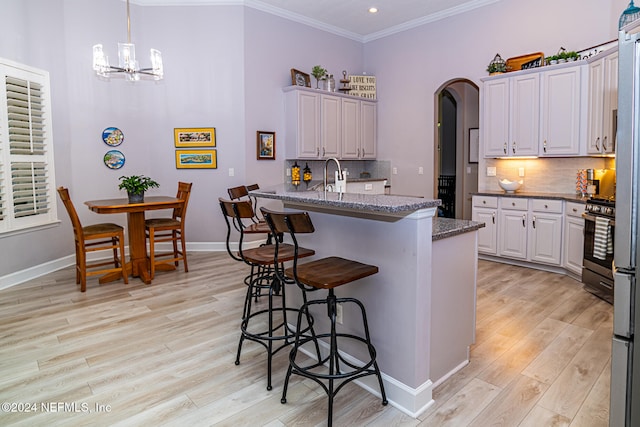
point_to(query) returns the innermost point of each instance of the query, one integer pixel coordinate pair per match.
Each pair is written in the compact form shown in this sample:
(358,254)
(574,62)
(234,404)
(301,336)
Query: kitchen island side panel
(397,299)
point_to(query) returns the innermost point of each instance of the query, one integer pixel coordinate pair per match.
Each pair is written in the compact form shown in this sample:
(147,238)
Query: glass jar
(331,83)
(306,174)
(295,174)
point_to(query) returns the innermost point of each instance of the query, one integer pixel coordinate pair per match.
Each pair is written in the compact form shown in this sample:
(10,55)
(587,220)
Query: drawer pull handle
(546,206)
(524,220)
(534,222)
(493,217)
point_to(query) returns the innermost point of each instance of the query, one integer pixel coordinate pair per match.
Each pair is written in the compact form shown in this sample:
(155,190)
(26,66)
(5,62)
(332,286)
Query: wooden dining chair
(160,230)
(92,238)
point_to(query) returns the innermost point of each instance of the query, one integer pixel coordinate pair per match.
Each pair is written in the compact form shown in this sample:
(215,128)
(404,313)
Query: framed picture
(196,159)
(266,145)
(194,137)
(298,78)
(474,145)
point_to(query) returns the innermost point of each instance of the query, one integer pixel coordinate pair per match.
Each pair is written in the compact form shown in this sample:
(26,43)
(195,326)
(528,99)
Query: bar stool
(254,224)
(326,273)
(264,261)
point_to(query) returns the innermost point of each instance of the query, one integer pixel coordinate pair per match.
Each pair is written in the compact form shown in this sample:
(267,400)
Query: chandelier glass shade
(127,64)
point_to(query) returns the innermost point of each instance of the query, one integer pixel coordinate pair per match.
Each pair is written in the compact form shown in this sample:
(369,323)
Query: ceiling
(350,18)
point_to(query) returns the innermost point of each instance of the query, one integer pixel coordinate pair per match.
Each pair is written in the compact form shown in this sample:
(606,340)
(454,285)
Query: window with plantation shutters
(27,187)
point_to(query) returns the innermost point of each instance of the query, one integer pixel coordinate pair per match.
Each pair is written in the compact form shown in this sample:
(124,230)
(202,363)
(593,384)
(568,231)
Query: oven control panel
(601,207)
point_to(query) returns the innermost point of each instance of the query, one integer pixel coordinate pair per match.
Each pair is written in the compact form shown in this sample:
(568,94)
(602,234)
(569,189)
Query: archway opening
(456,151)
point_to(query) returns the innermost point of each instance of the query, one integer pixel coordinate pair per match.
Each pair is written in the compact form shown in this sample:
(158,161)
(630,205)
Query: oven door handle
(592,218)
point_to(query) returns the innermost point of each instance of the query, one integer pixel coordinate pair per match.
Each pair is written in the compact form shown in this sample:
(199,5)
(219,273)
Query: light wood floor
(163,355)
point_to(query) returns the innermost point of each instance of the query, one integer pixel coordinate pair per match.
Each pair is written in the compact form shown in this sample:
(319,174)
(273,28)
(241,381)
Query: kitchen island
(421,304)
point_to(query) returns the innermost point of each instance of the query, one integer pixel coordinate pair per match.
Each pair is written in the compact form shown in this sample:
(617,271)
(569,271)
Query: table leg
(138,247)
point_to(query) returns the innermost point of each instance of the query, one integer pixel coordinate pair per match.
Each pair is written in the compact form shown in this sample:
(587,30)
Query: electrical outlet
(491,171)
(395,171)
(368,187)
(288,171)
(420,170)
(339,313)
(520,172)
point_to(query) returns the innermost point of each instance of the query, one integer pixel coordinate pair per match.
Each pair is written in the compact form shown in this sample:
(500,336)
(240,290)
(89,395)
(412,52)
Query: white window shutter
(27,186)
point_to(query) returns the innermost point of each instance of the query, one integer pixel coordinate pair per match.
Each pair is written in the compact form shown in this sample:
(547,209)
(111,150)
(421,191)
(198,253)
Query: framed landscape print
(266,145)
(194,137)
(196,159)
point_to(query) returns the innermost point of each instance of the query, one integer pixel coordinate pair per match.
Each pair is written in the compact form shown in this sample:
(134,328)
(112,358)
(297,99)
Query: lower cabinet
(573,251)
(485,209)
(529,230)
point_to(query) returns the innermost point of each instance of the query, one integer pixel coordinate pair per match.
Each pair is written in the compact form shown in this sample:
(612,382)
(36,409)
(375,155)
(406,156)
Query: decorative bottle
(306,174)
(295,174)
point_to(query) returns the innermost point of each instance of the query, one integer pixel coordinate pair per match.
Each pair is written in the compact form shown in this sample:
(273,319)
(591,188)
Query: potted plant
(497,67)
(136,185)
(319,73)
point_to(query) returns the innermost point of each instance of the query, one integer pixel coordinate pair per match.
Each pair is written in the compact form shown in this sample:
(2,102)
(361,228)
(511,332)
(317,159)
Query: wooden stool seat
(264,255)
(327,273)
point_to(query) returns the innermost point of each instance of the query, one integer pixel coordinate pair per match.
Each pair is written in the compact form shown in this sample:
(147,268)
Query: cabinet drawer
(551,206)
(485,202)
(574,209)
(513,203)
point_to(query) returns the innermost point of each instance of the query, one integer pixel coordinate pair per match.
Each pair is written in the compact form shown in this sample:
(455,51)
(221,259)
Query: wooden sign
(363,86)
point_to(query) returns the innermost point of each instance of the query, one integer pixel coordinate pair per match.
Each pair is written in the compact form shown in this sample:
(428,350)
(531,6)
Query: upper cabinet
(560,120)
(603,103)
(322,124)
(511,116)
(536,112)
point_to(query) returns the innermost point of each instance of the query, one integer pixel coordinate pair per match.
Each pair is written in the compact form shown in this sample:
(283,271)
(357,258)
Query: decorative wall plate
(114,159)
(112,136)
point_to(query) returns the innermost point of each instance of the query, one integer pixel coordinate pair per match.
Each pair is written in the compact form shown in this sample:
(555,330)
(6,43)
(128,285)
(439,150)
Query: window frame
(11,221)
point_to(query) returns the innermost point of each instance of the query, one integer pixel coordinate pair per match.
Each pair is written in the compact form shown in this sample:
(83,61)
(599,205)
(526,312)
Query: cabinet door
(561,111)
(488,235)
(573,244)
(545,238)
(524,121)
(513,234)
(610,107)
(495,117)
(350,128)
(308,131)
(331,132)
(596,92)
(369,130)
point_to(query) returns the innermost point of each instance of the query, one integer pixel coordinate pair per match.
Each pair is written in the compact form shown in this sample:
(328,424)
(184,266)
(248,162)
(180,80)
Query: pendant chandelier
(127,64)
(630,14)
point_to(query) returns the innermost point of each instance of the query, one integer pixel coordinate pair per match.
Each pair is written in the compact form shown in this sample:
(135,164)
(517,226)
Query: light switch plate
(395,171)
(491,171)
(232,172)
(520,172)
(420,170)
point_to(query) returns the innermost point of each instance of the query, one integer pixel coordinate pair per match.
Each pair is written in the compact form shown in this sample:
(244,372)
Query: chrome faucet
(339,179)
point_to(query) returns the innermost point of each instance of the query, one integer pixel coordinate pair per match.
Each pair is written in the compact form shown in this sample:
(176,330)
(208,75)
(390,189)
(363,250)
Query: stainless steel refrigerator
(625,359)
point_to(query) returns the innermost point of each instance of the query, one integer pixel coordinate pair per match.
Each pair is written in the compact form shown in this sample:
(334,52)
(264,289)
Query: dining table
(138,264)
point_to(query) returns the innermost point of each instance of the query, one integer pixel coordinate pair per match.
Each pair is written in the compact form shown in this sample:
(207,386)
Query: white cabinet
(368,130)
(603,104)
(359,129)
(530,230)
(561,111)
(302,124)
(321,124)
(512,232)
(330,126)
(573,241)
(545,231)
(511,116)
(485,209)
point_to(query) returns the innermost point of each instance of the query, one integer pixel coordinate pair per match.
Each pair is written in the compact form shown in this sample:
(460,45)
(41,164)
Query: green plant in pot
(319,73)
(136,185)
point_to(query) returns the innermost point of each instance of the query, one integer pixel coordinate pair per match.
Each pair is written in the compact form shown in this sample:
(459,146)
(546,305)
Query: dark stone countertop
(534,195)
(448,227)
(372,203)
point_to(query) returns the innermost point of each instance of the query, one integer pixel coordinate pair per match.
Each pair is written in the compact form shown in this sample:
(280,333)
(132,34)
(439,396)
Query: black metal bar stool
(326,273)
(264,262)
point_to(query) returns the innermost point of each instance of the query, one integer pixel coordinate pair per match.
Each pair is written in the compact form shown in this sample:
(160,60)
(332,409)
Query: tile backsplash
(548,175)
(377,169)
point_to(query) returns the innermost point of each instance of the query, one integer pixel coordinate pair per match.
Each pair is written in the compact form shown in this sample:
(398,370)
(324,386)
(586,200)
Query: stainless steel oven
(597,269)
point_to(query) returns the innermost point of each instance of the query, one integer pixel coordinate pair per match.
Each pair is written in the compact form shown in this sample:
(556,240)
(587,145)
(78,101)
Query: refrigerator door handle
(622,303)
